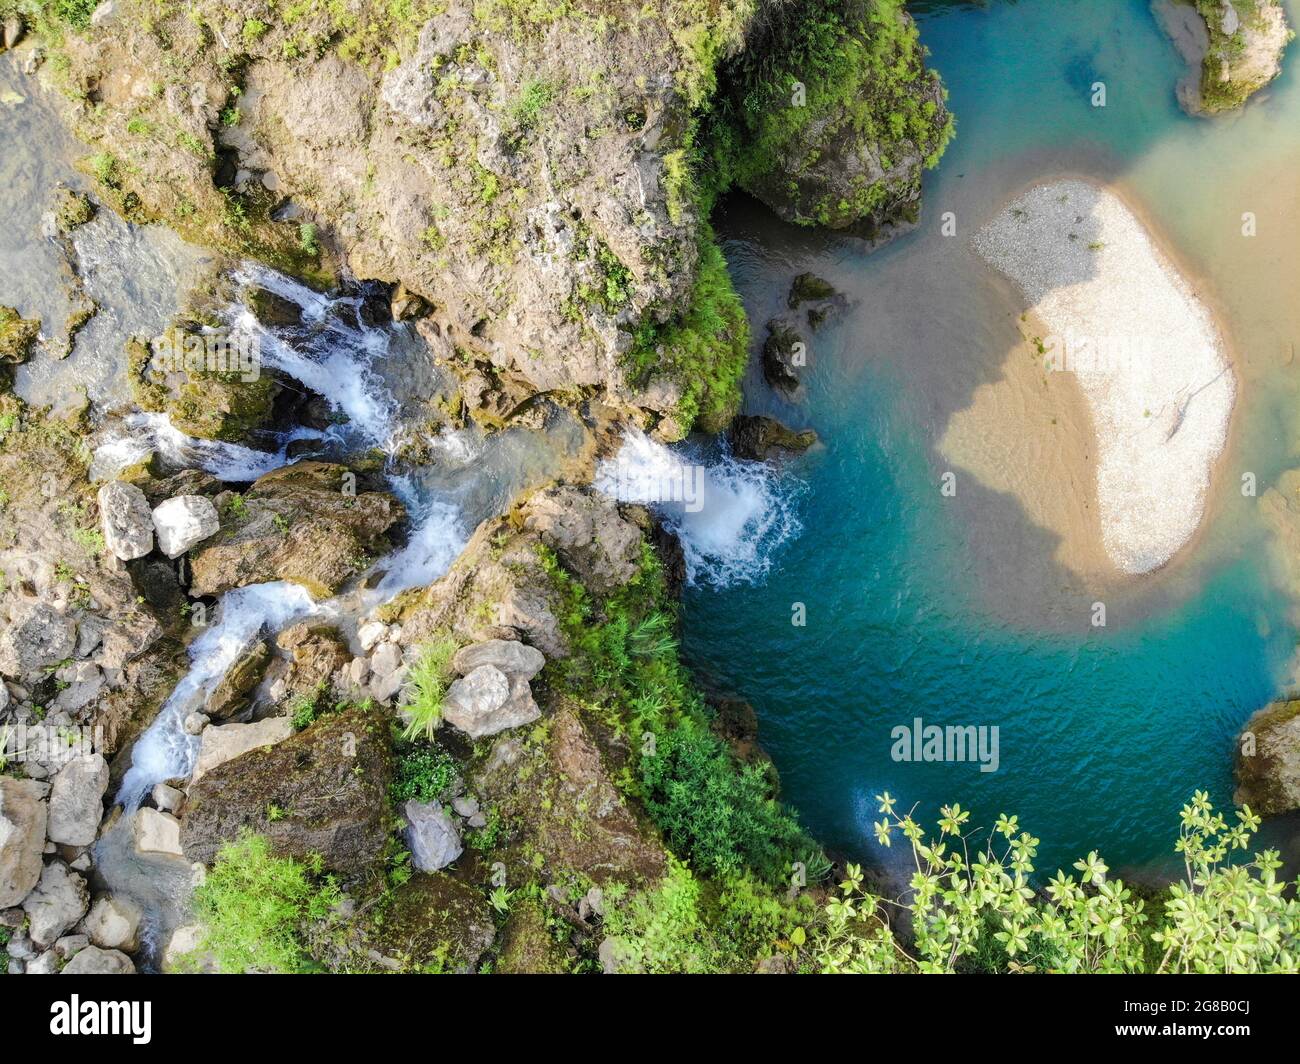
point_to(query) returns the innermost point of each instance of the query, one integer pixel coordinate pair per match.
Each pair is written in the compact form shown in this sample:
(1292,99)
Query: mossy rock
(529,947)
(1267,760)
(17,335)
(323,791)
(435,923)
(223,407)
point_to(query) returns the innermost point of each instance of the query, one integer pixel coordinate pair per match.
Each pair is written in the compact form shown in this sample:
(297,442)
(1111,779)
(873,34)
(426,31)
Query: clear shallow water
(956,610)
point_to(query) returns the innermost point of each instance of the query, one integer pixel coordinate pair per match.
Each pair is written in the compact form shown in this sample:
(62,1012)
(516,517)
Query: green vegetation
(253,907)
(425,773)
(973,908)
(706,348)
(428,680)
(714,812)
(17,334)
(823,76)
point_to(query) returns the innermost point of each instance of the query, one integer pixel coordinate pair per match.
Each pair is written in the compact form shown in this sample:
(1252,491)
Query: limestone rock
(224,743)
(157,832)
(515,659)
(430,835)
(77,800)
(126,520)
(486,701)
(184,522)
(22,839)
(58,902)
(36,639)
(114,923)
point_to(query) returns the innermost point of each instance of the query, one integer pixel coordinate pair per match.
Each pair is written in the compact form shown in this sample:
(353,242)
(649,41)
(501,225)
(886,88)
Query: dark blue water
(957,611)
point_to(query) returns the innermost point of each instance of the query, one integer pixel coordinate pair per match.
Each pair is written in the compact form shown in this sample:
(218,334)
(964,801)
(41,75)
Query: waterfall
(731,515)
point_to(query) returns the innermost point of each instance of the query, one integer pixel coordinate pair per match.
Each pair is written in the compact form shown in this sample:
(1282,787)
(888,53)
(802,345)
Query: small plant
(425,773)
(253,907)
(500,899)
(427,685)
(253,29)
(308,241)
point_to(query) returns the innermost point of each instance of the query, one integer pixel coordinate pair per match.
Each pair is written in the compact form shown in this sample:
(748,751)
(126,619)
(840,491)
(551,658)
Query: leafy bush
(715,811)
(253,906)
(974,907)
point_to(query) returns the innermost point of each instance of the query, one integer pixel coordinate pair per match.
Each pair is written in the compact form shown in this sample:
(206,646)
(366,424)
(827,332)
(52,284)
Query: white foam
(731,515)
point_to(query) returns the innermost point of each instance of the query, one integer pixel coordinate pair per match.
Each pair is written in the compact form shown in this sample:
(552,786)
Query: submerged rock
(784,354)
(755,437)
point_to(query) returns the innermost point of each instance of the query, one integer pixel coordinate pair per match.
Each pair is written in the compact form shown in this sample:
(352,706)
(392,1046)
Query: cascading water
(166,751)
(731,515)
(332,357)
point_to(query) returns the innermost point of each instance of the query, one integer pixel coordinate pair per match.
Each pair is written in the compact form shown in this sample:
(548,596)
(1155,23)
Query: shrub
(425,773)
(253,907)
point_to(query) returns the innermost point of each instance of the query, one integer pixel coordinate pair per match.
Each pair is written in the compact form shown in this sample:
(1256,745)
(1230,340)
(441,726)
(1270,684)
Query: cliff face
(531,172)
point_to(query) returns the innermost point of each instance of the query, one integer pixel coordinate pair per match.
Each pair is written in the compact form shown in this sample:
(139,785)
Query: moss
(222,406)
(17,335)
(705,348)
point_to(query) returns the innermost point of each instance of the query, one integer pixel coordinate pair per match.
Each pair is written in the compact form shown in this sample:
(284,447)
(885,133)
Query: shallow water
(957,610)
(135,274)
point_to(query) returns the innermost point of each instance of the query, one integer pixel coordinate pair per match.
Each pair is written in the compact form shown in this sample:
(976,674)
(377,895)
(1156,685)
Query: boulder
(755,437)
(298,523)
(436,922)
(517,660)
(157,832)
(587,531)
(1267,760)
(184,522)
(809,288)
(85,683)
(95,961)
(563,800)
(179,955)
(228,696)
(323,790)
(17,335)
(22,839)
(486,701)
(114,923)
(77,800)
(167,798)
(126,520)
(222,744)
(37,638)
(58,902)
(430,835)
(784,354)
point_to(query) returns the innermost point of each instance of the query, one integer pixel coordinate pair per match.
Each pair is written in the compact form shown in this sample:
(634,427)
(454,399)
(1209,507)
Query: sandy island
(1124,408)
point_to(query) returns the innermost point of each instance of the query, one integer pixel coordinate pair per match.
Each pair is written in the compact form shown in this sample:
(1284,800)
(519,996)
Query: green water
(956,610)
